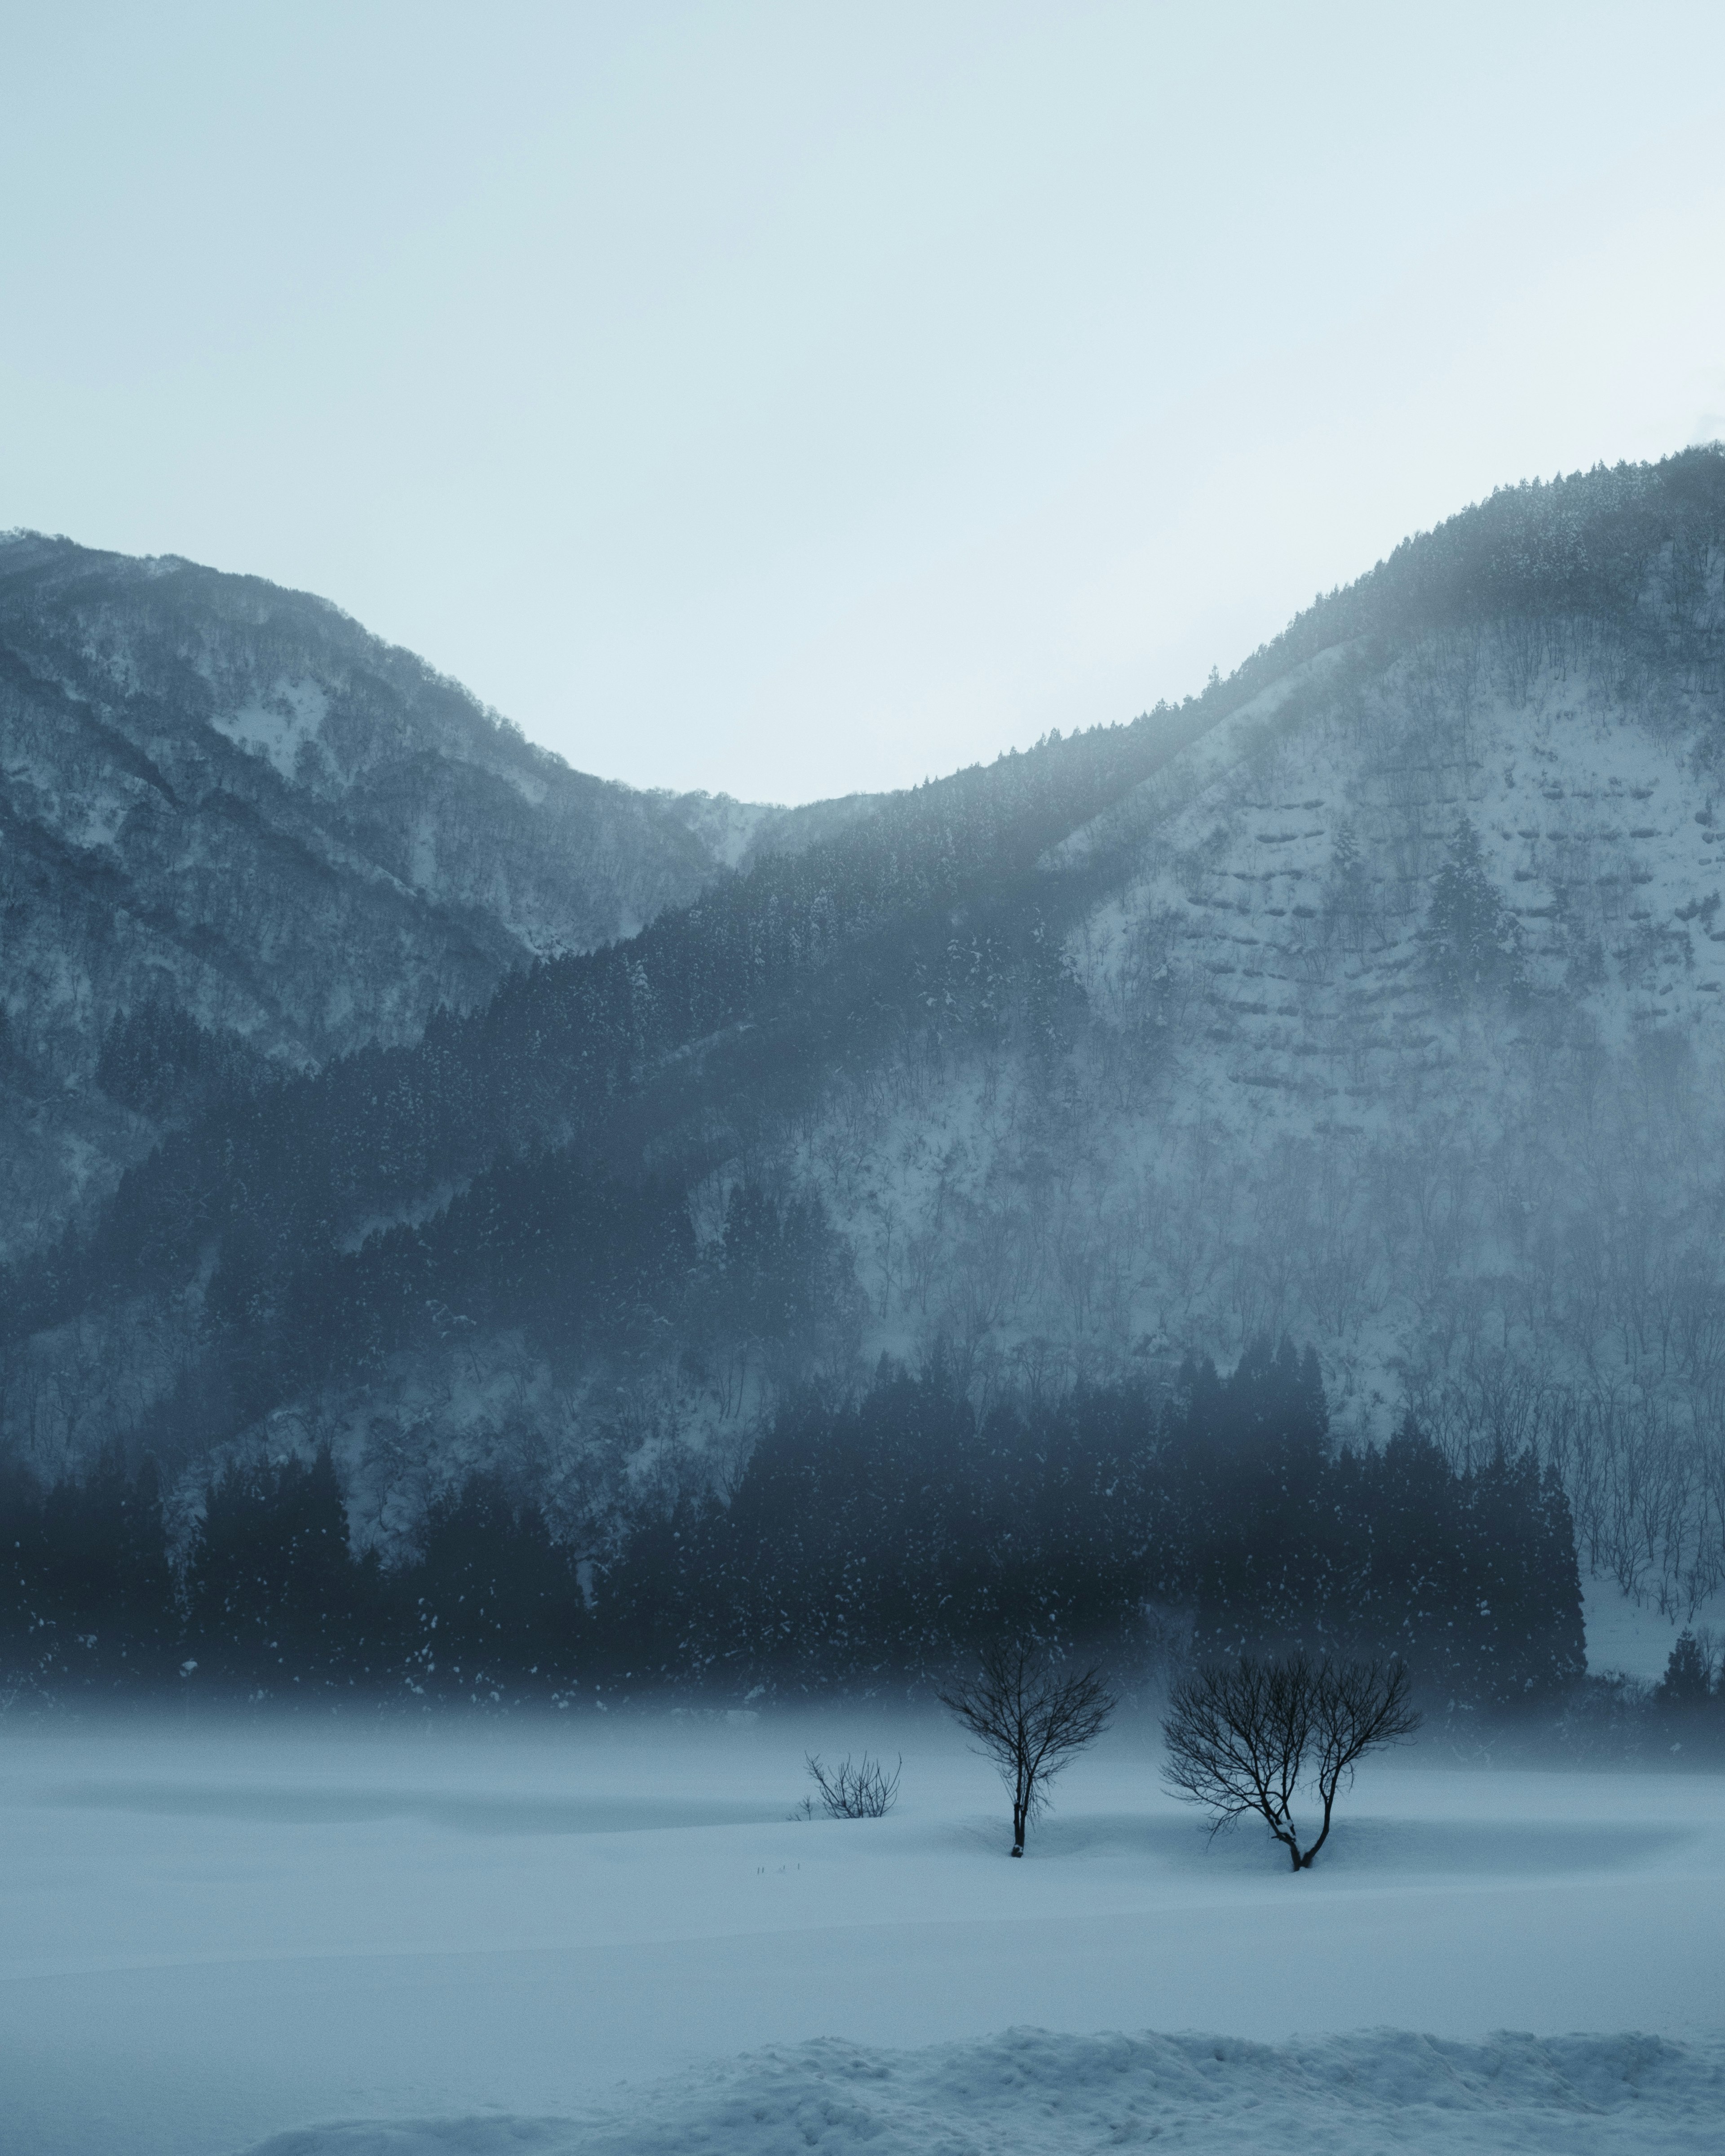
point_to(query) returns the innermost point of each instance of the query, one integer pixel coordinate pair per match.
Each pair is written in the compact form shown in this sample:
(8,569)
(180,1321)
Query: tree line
(867,1541)
(899,1530)
(271,1599)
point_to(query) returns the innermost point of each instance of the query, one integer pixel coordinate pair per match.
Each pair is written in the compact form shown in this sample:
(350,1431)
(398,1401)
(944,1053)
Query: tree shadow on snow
(1366,1847)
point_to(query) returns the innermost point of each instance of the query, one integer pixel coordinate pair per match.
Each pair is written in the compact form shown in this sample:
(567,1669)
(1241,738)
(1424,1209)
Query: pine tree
(105,1582)
(270,1579)
(1472,940)
(1688,1680)
(496,1602)
(1347,902)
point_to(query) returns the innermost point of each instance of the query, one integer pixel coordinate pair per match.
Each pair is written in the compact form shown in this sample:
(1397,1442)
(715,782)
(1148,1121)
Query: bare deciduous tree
(1030,1716)
(1239,1735)
(863,1791)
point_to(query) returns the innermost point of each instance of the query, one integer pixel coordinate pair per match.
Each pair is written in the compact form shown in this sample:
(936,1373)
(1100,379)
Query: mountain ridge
(210,787)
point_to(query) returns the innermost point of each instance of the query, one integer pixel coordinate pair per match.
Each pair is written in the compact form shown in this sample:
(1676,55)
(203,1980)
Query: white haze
(789,402)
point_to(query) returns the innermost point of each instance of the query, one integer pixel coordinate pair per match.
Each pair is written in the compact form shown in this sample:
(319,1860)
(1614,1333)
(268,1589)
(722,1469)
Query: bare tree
(1030,1717)
(1361,1707)
(1239,1736)
(863,1791)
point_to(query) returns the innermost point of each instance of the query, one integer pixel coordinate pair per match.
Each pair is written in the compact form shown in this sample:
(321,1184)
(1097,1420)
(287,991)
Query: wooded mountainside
(223,806)
(1372,998)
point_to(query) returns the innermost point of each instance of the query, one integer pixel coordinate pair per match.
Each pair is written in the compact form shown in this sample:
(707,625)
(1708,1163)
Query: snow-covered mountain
(1477,1160)
(1374,997)
(223,802)
(1404,1032)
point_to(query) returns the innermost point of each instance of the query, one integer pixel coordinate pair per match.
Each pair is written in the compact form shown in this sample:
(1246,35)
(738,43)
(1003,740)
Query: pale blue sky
(789,399)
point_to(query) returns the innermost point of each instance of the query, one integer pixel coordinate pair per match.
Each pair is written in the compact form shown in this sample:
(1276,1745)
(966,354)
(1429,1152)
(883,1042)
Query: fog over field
(594,1932)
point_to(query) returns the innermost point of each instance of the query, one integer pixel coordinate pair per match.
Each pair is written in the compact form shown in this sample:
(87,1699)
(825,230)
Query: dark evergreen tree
(28,1630)
(1690,1684)
(272,1592)
(1244,1473)
(493,1602)
(105,1582)
(1473,943)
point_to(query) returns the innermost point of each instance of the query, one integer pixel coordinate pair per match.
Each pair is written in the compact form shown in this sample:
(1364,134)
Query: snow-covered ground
(607,1933)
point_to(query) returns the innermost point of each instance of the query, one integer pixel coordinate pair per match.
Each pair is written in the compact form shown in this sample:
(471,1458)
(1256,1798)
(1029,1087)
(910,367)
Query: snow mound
(1031,2091)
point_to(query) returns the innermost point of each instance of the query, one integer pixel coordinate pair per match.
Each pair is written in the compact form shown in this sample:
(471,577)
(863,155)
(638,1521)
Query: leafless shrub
(865,1790)
(1030,1717)
(1239,1736)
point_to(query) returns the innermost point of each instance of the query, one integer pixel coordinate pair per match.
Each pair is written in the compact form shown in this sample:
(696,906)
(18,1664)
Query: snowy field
(605,1934)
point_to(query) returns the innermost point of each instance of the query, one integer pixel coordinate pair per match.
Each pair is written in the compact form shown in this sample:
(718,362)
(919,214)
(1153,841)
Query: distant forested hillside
(1373,997)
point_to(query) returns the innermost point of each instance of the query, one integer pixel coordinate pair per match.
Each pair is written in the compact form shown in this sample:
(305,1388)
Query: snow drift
(1030,2089)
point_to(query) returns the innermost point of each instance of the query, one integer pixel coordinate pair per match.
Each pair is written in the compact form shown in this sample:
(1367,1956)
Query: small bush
(865,1790)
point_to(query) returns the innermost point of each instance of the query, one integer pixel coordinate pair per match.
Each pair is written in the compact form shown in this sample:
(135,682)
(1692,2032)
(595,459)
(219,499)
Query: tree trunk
(1329,1799)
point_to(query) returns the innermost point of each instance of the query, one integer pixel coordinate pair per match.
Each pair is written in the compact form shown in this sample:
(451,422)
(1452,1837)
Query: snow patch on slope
(278,725)
(735,834)
(1250,733)
(727,828)
(1030,2090)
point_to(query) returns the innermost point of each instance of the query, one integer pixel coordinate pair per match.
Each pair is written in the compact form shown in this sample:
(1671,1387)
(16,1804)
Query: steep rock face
(228,800)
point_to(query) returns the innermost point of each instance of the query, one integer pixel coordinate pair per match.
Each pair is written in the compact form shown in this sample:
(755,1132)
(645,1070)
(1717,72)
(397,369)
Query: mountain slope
(225,803)
(1404,1032)
(1374,995)
(226,1273)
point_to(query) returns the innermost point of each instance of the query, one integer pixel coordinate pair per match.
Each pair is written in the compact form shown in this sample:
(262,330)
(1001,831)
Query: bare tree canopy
(1030,1717)
(1240,1736)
